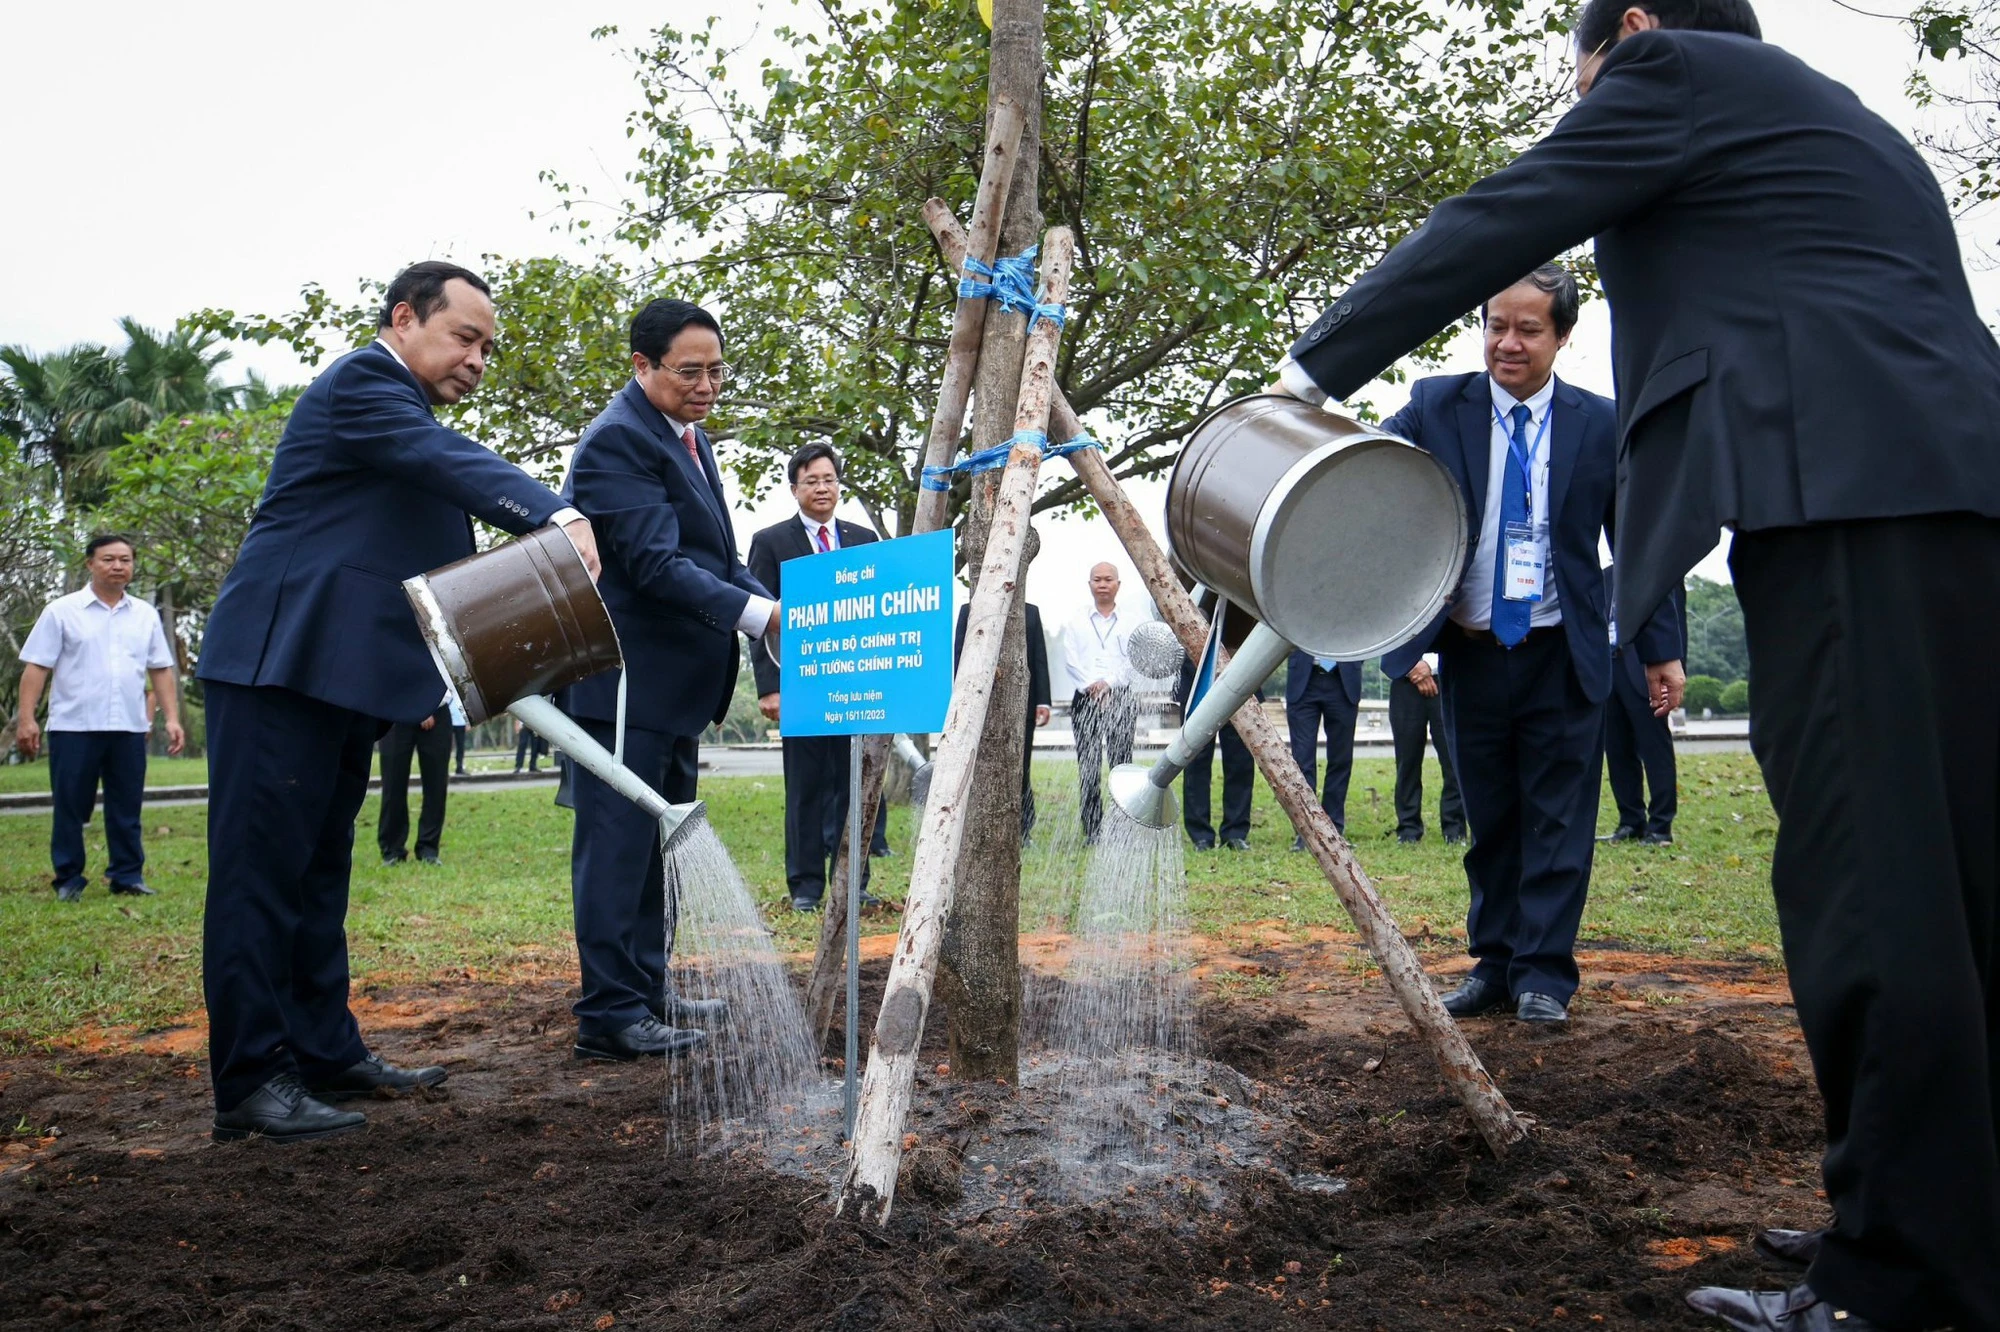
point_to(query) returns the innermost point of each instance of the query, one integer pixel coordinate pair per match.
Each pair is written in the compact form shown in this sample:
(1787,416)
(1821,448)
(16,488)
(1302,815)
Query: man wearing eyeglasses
(678,595)
(1799,359)
(815,765)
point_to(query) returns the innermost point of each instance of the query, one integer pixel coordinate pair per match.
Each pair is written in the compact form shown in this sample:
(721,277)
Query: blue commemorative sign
(864,647)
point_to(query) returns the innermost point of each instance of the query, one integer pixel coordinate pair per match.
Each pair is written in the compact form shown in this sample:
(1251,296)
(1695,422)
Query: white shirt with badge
(1473,606)
(99,656)
(1094,648)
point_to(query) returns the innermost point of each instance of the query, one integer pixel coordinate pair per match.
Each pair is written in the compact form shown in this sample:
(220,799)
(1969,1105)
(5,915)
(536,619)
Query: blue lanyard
(1534,450)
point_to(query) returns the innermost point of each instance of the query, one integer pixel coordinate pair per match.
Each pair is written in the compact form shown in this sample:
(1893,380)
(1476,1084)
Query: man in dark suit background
(1041,701)
(815,765)
(1638,746)
(1525,651)
(1239,780)
(1322,695)
(1416,722)
(311,651)
(430,740)
(1799,359)
(678,595)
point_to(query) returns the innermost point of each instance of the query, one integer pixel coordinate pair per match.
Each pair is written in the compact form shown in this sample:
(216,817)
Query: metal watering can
(1318,532)
(521,620)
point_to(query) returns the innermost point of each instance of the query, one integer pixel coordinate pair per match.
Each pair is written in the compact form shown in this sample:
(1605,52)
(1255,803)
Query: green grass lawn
(501,899)
(159,772)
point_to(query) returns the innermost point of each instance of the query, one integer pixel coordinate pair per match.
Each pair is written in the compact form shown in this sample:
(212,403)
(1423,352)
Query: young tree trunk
(870,1182)
(1003,142)
(980,980)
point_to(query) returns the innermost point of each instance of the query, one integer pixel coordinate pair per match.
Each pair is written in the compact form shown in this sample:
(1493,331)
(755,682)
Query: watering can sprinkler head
(1154,651)
(1137,795)
(679,823)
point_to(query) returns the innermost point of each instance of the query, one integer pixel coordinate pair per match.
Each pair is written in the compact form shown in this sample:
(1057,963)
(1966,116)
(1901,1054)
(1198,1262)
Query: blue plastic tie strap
(1009,281)
(986,460)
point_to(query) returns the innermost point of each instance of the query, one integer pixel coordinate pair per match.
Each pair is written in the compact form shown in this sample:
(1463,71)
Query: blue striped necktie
(1510,618)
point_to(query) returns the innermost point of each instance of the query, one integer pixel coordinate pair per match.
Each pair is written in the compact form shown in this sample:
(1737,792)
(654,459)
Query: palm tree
(68,409)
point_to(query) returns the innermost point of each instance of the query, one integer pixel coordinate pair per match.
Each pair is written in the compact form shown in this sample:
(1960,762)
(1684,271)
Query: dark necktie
(1510,618)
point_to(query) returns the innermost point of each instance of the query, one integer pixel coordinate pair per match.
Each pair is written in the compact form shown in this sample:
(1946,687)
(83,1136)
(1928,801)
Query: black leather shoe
(1473,997)
(375,1076)
(648,1037)
(1299,842)
(428,856)
(681,1010)
(1236,843)
(1793,1248)
(282,1111)
(1623,834)
(137,888)
(70,892)
(1794,1310)
(1532,1007)
(1454,839)
(394,857)
(1658,839)
(1406,838)
(805,904)
(1204,846)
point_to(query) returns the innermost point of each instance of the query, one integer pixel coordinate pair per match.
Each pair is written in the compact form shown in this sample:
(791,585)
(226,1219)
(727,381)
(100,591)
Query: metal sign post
(865,649)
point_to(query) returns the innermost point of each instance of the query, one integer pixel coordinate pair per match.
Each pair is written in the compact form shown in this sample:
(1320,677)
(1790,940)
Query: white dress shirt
(100,655)
(1473,607)
(813,526)
(1094,649)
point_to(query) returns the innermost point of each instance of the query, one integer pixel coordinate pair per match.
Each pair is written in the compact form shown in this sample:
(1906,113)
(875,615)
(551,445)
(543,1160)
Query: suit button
(1346,309)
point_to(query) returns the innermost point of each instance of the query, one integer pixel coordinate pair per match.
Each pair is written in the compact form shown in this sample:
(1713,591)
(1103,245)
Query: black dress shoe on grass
(375,1076)
(1236,843)
(282,1111)
(1473,997)
(1623,834)
(646,1038)
(1794,1310)
(1532,1007)
(394,857)
(1793,1248)
(1657,839)
(70,892)
(133,889)
(429,857)
(805,904)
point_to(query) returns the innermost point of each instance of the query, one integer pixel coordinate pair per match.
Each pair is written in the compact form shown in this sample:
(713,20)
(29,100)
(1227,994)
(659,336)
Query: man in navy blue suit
(1524,644)
(1323,695)
(645,475)
(1638,746)
(311,653)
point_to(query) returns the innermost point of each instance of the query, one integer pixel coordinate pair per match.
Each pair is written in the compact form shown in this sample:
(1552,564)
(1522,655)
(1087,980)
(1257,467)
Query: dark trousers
(1103,728)
(1529,747)
(1324,706)
(1635,741)
(816,782)
(1411,717)
(433,751)
(528,747)
(286,776)
(1880,748)
(1027,780)
(457,748)
(78,761)
(617,883)
(1239,776)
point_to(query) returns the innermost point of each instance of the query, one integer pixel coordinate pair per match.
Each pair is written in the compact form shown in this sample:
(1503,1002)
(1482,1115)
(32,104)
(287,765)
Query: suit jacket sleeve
(381,421)
(618,487)
(1038,662)
(763,566)
(1661,637)
(1617,152)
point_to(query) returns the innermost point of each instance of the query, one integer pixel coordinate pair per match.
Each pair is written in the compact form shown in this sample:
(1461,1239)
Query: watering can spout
(545,719)
(680,822)
(1140,798)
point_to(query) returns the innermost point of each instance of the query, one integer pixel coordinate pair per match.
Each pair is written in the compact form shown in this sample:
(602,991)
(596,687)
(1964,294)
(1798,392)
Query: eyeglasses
(694,374)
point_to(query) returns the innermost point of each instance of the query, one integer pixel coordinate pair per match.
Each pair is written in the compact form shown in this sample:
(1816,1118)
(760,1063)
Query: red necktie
(824,547)
(694,450)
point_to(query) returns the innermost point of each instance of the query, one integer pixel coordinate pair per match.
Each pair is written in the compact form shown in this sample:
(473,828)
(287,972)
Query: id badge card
(1527,563)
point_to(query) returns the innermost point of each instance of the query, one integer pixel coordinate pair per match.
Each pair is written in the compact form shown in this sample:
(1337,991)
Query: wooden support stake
(877,1150)
(968,324)
(1461,1066)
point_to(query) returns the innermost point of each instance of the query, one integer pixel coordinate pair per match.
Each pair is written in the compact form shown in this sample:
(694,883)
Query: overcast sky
(170,157)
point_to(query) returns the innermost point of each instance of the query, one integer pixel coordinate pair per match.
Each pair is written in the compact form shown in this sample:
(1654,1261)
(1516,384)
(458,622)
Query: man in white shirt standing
(1102,713)
(102,646)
